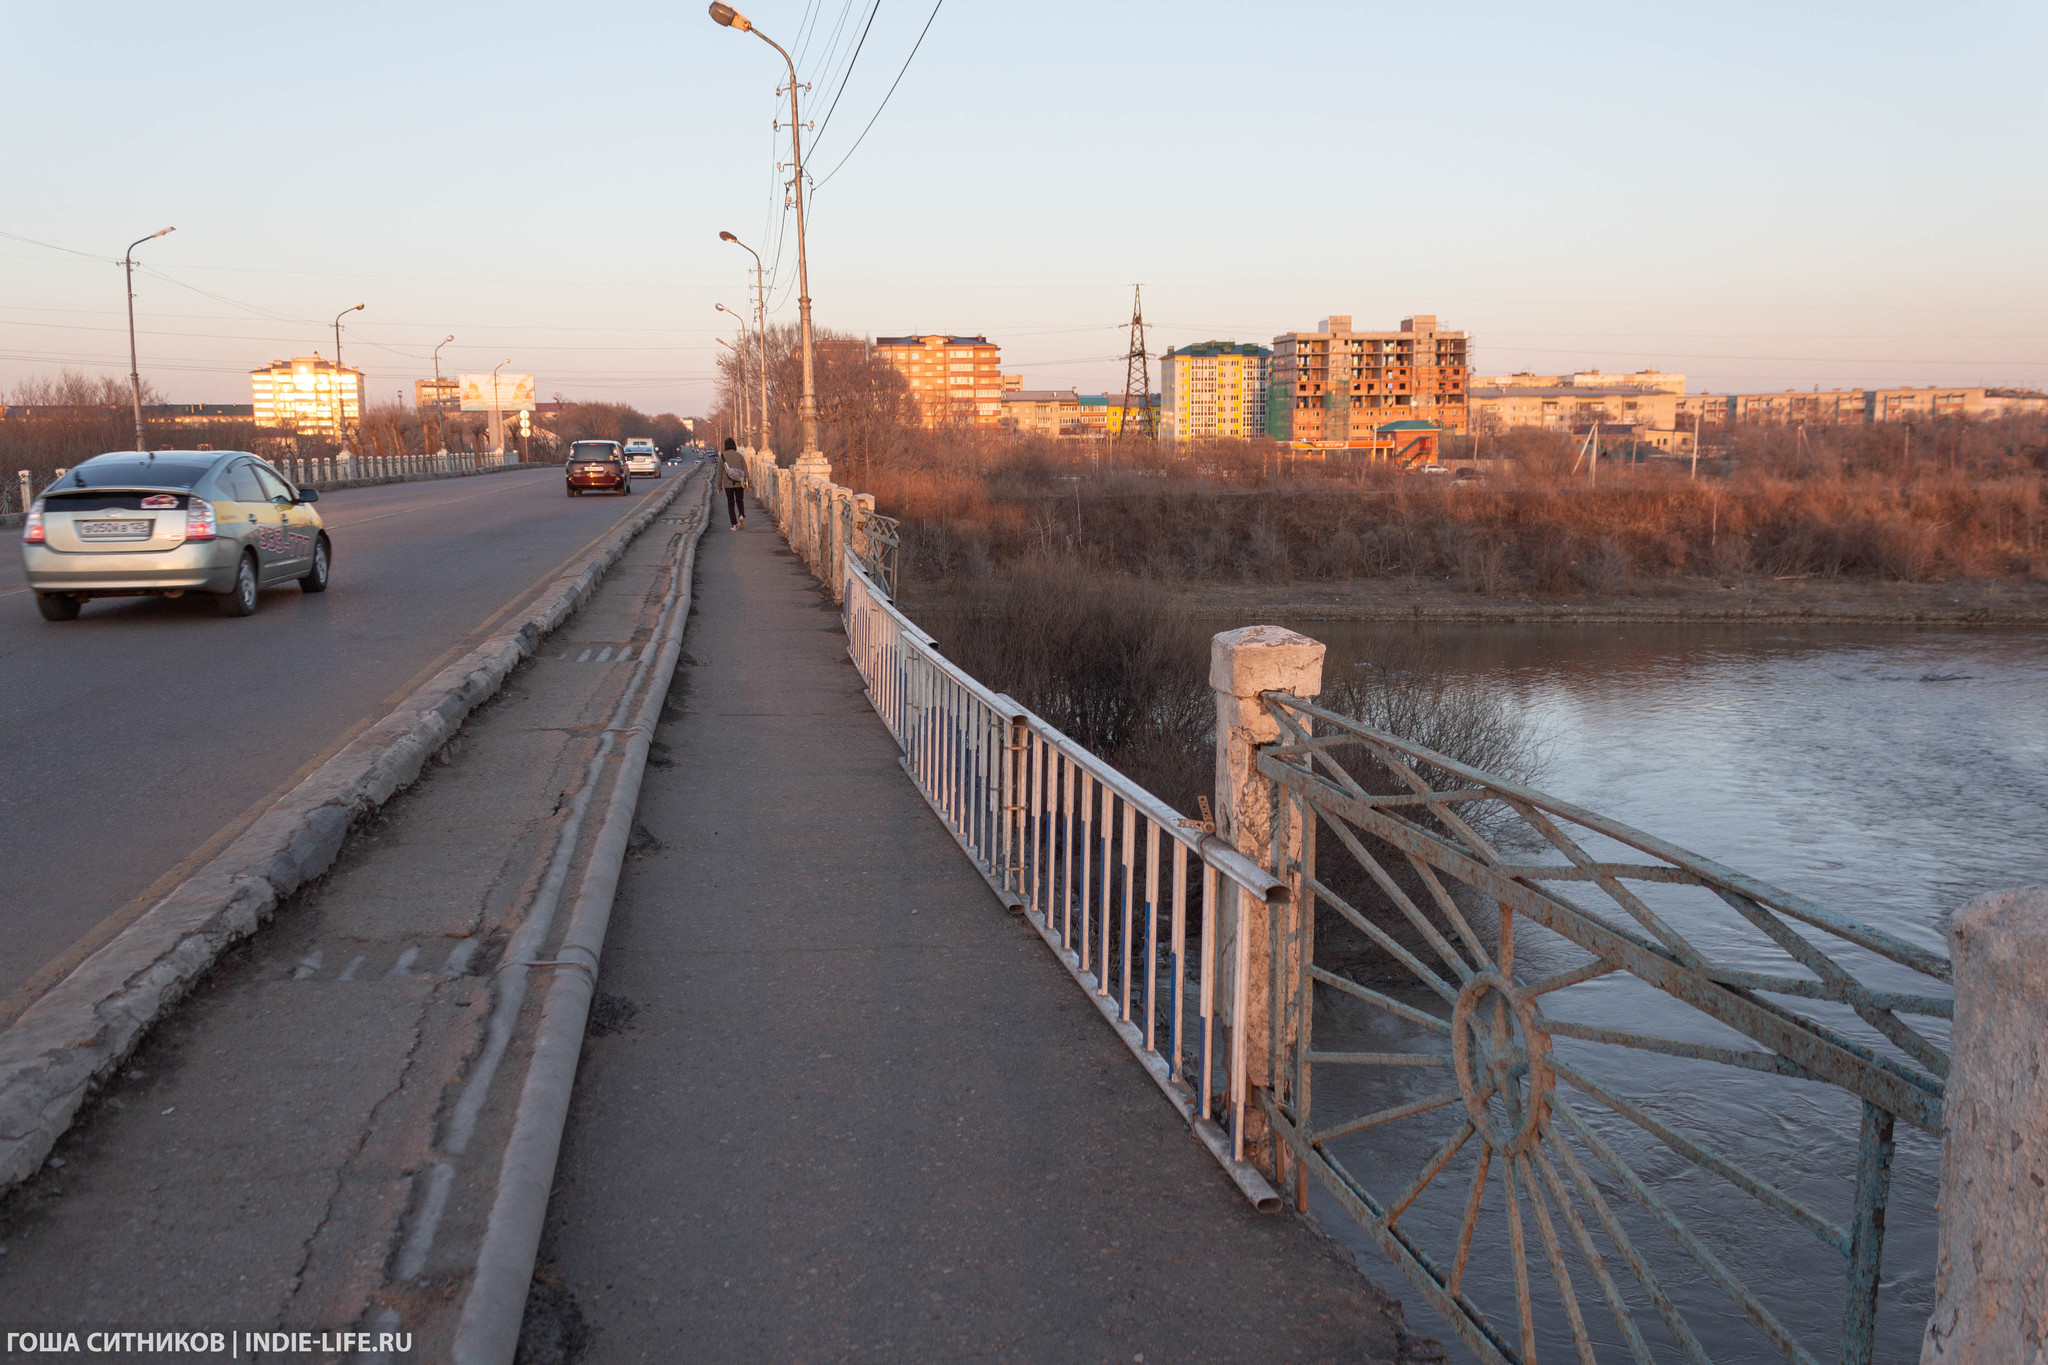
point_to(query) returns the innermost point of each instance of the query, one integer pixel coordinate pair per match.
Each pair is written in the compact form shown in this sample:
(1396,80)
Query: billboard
(515,392)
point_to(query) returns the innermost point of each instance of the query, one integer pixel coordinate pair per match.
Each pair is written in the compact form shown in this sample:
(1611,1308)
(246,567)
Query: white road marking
(625,655)
(459,958)
(584,657)
(413,1259)
(405,961)
(348,973)
(604,654)
(308,965)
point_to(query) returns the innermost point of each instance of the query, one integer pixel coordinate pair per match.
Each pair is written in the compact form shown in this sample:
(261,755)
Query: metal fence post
(1242,664)
(1991,1280)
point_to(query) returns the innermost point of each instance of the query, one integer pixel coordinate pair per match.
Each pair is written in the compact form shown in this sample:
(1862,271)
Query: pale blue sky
(1759,195)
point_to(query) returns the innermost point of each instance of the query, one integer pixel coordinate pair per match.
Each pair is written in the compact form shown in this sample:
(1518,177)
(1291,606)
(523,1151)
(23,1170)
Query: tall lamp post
(134,367)
(340,413)
(437,365)
(811,459)
(739,354)
(761,411)
(497,420)
(760,328)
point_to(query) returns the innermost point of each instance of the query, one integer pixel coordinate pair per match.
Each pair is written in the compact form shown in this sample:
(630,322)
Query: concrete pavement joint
(64,1045)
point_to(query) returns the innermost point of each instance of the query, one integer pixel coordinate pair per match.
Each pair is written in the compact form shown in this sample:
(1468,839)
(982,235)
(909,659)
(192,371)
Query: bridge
(699,964)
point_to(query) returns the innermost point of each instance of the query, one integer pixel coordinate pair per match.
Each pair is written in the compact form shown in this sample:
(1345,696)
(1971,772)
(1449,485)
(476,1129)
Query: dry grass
(1971,504)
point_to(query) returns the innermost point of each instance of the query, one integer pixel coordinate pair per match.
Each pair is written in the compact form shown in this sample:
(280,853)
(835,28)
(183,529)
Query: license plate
(123,529)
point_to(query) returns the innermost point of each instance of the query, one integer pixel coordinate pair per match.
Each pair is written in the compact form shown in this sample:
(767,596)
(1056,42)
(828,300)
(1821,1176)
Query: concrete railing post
(1991,1280)
(28,490)
(842,537)
(1250,815)
(863,508)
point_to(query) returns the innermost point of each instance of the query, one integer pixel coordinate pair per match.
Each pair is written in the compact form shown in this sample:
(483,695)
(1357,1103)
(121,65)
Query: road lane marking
(604,654)
(584,657)
(405,961)
(13,1002)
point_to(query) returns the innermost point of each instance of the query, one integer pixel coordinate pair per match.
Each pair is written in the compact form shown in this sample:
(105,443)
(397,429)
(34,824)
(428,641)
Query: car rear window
(593,450)
(134,471)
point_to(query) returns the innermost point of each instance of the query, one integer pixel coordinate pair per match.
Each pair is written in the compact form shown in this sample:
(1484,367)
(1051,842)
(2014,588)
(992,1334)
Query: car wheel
(316,577)
(572,492)
(240,600)
(58,606)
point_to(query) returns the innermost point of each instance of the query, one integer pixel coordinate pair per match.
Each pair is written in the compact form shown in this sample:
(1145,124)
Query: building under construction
(1375,393)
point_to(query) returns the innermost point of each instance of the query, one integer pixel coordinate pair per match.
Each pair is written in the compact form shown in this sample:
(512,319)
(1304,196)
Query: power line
(885,99)
(847,76)
(52,246)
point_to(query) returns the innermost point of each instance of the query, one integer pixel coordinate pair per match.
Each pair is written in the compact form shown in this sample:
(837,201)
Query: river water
(1891,775)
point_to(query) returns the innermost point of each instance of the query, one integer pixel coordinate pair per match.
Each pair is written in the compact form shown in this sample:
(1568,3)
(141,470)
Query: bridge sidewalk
(838,1104)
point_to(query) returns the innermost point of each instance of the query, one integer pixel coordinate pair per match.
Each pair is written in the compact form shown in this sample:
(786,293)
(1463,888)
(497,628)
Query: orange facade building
(1336,388)
(957,381)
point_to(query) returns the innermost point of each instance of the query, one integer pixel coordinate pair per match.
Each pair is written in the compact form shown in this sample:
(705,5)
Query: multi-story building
(956,380)
(308,395)
(436,395)
(1042,412)
(1819,407)
(1566,407)
(1335,388)
(1660,380)
(1918,405)
(1103,414)
(1213,388)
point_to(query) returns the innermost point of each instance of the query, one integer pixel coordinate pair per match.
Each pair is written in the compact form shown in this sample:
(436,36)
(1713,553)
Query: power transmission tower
(1138,377)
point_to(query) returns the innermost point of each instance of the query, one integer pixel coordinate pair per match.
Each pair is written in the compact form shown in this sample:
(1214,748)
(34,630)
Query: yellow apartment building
(308,395)
(1213,388)
(956,380)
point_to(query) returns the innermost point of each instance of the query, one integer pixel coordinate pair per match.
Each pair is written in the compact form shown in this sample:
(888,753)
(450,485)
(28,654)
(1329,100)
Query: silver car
(168,522)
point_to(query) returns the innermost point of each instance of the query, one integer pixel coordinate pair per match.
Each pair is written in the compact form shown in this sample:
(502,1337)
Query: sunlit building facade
(308,395)
(955,380)
(1213,388)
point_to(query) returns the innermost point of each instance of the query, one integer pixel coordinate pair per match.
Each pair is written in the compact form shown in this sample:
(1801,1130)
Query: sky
(1760,196)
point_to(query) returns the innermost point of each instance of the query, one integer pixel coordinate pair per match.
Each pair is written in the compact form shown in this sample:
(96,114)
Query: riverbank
(1970,602)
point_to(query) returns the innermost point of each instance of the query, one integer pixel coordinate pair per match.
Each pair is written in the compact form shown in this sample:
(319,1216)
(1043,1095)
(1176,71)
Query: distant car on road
(597,466)
(168,522)
(643,456)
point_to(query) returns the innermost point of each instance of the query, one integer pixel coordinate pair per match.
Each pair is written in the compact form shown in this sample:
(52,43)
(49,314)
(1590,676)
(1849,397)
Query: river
(1889,774)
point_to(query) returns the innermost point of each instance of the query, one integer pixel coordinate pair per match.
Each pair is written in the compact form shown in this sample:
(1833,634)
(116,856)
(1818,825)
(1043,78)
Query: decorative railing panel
(1519,945)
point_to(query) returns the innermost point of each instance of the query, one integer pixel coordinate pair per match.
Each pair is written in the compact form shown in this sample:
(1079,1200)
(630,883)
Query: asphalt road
(137,740)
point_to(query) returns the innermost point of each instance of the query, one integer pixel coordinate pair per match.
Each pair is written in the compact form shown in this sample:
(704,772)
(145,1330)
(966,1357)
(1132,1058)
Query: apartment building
(1565,407)
(1820,407)
(1335,388)
(1042,412)
(308,395)
(1660,380)
(955,380)
(1213,388)
(436,395)
(1920,405)
(1103,414)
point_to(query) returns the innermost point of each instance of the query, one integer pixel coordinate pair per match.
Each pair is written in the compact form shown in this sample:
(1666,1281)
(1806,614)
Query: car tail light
(199,520)
(32,525)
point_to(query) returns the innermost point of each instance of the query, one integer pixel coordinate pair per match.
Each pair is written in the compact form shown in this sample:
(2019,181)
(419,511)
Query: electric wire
(885,98)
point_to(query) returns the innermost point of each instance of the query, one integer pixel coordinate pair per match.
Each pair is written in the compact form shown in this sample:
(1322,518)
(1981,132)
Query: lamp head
(730,17)
(727,237)
(154,235)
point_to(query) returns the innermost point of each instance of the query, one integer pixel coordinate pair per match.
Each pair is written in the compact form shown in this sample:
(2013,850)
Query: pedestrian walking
(732,477)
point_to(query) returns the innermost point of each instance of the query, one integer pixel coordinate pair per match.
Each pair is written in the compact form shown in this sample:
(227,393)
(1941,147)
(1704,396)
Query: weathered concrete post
(863,508)
(784,478)
(842,538)
(1242,664)
(1991,1281)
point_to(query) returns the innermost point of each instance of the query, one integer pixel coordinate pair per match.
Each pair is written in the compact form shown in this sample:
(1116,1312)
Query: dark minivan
(598,466)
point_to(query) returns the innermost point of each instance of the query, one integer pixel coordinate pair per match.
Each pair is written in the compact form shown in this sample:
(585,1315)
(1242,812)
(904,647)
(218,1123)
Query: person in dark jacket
(732,477)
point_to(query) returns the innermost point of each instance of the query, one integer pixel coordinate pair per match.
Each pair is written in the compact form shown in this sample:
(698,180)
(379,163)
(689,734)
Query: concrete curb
(492,1313)
(62,1046)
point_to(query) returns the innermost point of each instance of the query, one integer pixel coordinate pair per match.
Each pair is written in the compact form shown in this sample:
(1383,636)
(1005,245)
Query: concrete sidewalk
(839,1104)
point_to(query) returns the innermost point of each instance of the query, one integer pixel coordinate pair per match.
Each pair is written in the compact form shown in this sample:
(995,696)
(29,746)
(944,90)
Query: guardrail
(1474,876)
(1117,883)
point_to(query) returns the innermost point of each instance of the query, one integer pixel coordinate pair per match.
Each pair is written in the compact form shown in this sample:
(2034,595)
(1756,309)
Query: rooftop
(1219,348)
(928,337)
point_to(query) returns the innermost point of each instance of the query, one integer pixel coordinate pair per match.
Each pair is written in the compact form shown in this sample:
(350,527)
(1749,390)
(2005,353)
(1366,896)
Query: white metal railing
(1132,897)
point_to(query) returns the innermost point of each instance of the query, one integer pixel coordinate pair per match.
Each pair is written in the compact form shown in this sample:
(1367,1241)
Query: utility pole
(810,460)
(134,367)
(760,335)
(1138,373)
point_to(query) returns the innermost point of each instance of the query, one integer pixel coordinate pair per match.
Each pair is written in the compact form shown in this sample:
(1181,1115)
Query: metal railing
(1128,894)
(1524,947)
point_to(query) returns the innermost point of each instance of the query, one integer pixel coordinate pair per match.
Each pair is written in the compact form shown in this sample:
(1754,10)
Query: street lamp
(497,421)
(760,330)
(740,355)
(811,460)
(437,365)
(340,413)
(134,369)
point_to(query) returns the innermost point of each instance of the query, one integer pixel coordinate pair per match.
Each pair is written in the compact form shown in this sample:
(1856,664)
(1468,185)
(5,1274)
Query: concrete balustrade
(1991,1279)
